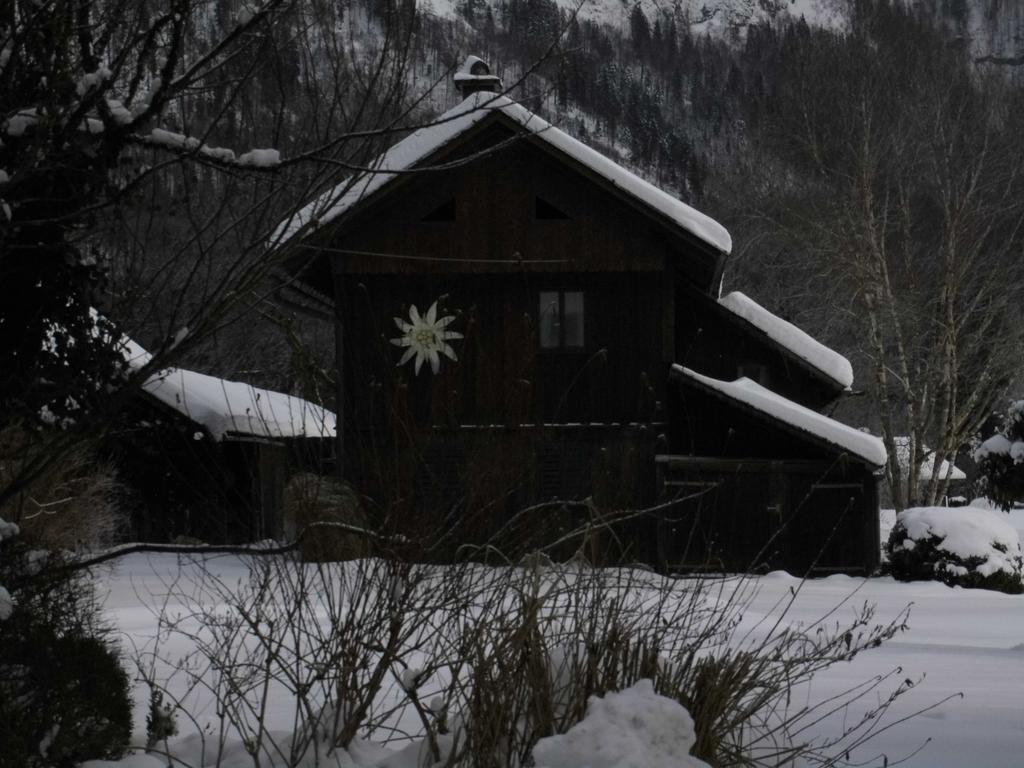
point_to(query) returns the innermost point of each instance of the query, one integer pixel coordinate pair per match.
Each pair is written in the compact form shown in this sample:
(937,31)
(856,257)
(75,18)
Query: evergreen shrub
(64,696)
(960,546)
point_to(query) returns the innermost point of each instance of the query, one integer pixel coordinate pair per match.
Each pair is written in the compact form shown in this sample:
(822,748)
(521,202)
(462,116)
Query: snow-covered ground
(961,641)
(966,641)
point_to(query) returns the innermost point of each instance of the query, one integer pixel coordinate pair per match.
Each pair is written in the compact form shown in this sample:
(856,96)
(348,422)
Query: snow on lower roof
(787,335)
(408,152)
(225,407)
(953,472)
(752,394)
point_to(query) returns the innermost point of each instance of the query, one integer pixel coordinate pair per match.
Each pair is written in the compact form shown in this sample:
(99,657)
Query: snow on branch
(7,531)
(259,159)
(266,548)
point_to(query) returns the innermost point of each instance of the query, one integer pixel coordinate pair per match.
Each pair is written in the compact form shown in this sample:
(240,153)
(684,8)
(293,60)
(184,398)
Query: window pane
(549,320)
(573,318)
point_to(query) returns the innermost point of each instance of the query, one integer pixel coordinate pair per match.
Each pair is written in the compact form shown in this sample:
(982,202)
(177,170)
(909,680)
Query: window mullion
(561,320)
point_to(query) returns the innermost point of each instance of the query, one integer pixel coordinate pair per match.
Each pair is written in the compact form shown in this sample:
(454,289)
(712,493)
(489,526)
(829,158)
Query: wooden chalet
(521,320)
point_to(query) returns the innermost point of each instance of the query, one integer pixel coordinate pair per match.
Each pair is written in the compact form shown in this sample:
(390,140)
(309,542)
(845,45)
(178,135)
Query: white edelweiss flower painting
(425,338)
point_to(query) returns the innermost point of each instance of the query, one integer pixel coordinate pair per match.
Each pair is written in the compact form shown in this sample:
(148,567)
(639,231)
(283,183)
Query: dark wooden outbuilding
(573,288)
(208,459)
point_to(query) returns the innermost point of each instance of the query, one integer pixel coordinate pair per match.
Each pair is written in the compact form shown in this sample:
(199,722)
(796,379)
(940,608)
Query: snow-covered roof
(753,395)
(410,151)
(925,472)
(225,407)
(787,335)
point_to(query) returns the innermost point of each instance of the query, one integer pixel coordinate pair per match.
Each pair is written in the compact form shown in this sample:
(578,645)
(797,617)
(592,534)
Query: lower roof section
(764,403)
(812,352)
(231,409)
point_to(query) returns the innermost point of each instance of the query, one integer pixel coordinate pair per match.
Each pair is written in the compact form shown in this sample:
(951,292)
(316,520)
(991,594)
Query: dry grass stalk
(480,662)
(73,504)
(310,499)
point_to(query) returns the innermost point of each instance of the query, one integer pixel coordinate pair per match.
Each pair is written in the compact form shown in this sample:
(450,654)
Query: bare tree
(147,150)
(911,210)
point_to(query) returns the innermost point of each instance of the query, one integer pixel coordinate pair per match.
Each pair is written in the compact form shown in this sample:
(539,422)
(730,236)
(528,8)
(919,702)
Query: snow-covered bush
(1000,459)
(63,693)
(959,546)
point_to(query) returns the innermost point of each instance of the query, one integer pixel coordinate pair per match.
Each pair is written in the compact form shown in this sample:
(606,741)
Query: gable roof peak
(415,150)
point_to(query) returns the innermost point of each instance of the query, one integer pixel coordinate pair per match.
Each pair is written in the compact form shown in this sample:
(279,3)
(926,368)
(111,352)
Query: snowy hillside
(707,15)
(992,28)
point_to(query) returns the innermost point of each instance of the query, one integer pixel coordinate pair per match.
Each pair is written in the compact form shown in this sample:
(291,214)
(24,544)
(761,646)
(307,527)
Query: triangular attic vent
(444,212)
(546,210)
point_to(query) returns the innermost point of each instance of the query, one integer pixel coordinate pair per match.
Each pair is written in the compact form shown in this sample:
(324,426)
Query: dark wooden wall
(502,376)
(496,225)
(757,495)
(486,238)
(758,515)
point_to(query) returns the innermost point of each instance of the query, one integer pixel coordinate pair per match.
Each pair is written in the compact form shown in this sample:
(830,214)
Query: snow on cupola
(475,75)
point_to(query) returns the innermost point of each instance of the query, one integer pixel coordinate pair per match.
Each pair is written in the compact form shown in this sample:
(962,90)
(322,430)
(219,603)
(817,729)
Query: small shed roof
(946,469)
(786,335)
(420,144)
(234,408)
(753,396)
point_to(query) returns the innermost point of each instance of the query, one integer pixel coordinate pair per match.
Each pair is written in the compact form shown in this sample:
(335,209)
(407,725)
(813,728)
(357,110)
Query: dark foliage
(56,356)
(64,696)
(1002,476)
(925,561)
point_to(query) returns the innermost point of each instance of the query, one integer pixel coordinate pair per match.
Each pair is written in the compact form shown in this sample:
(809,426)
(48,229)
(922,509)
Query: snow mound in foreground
(634,728)
(963,546)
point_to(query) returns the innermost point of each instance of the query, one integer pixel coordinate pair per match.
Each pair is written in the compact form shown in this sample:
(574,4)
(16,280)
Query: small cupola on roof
(475,75)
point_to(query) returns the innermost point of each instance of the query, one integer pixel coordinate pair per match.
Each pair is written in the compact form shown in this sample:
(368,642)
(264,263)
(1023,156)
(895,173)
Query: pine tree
(639,30)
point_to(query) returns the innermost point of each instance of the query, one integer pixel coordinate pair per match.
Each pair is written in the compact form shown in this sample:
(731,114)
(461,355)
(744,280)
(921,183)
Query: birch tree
(914,221)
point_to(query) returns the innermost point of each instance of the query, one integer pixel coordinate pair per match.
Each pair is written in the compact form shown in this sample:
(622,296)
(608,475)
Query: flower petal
(414,315)
(432,314)
(407,356)
(450,335)
(402,325)
(435,361)
(445,321)
(419,359)
(402,341)
(449,352)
